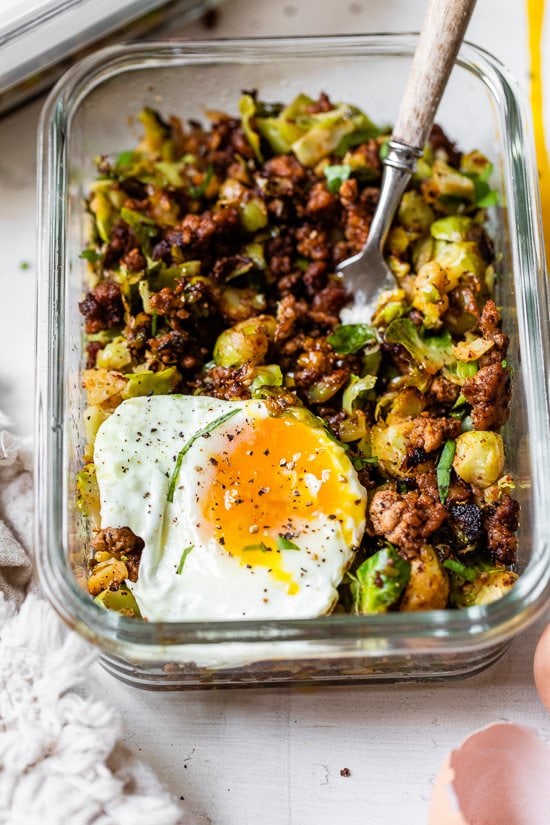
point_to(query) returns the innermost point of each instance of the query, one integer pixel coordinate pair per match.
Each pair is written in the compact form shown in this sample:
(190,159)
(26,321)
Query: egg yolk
(272,483)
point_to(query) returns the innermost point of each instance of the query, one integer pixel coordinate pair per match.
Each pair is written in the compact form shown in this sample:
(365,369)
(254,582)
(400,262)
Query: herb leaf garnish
(460,569)
(443,470)
(336,175)
(198,191)
(263,548)
(185,449)
(285,544)
(184,555)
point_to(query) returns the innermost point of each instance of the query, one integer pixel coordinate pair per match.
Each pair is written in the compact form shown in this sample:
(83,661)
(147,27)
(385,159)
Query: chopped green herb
(124,159)
(467,573)
(443,470)
(504,363)
(359,463)
(349,338)
(263,548)
(154,324)
(198,191)
(336,175)
(184,555)
(185,449)
(285,544)
(91,256)
(24,265)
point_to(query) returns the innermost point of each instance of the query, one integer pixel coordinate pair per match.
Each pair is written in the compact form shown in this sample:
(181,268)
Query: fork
(367,274)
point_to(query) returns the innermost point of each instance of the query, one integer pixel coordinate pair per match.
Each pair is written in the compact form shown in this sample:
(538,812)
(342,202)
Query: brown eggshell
(541,667)
(500,774)
(443,808)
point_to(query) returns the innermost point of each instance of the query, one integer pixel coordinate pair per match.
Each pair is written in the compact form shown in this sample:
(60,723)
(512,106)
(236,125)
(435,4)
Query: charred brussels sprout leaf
(350,338)
(379,582)
(431,352)
(357,389)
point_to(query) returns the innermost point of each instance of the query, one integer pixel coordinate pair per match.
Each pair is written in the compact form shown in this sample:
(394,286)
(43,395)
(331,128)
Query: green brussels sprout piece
(253,214)
(430,298)
(453,228)
(414,213)
(94,417)
(475,163)
(356,391)
(247,110)
(379,582)
(451,183)
(389,444)
(458,258)
(479,457)
(120,601)
(398,241)
(104,213)
(472,348)
(479,583)
(255,251)
(87,493)
(104,336)
(279,134)
(170,173)
(246,341)
(353,428)
(323,135)
(399,268)
(114,356)
(325,388)
(238,304)
(270,376)
(422,251)
(431,352)
(151,383)
(156,133)
(350,338)
(428,586)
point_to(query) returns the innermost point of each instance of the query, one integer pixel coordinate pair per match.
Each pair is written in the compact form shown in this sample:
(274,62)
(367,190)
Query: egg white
(136,451)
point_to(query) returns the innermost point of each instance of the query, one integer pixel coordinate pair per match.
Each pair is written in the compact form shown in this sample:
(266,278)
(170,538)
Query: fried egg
(244,515)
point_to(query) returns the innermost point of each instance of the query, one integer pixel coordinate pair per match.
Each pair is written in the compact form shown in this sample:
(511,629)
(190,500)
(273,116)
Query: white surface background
(274,756)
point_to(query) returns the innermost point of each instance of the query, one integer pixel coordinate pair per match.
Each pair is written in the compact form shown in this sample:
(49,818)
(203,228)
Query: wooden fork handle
(443,31)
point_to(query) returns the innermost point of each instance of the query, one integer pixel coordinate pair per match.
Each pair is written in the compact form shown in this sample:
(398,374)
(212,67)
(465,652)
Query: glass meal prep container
(93,111)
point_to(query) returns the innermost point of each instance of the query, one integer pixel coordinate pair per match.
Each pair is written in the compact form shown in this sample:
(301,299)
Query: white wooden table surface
(274,756)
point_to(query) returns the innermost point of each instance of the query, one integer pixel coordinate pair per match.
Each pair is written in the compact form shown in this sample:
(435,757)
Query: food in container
(338,647)
(212,278)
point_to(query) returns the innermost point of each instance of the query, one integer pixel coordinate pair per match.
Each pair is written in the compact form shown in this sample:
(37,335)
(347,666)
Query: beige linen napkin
(61,761)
